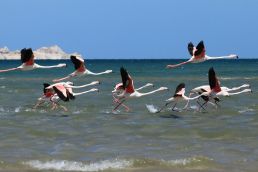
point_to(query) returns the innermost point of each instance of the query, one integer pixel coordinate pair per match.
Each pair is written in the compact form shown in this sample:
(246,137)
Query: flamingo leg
(173,109)
(120,103)
(163,107)
(117,101)
(201,105)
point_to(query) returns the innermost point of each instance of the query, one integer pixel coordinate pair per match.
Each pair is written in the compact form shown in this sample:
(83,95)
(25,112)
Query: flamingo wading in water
(206,88)
(80,69)
(119,90)
(61,91)
(216,90)
(179,96)
(199,55)
(128,91)
(27,59)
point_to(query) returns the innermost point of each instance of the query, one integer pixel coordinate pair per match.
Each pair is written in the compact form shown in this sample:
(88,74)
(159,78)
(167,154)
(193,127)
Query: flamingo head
(94,89)
(95,82)
(170,99)
(233,56)
(69,83)
(108,71)
(149,84)
(163,88)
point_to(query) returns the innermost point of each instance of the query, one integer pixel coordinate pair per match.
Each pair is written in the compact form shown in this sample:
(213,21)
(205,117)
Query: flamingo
(80,69)
(119,90)
(199,55)
(27,59)
(206,88)
(63,90)
(216,90)
(179,96)
(128,91)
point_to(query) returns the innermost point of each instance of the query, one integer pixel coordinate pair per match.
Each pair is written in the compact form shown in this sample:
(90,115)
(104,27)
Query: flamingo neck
(148,93)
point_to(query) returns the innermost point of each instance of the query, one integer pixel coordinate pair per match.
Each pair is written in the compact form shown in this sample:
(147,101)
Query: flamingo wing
(69,93)
(125,77)
(180,90)
(190,48)
(199,49)
(213,81)
(61,92)
(26,55)
(77,61)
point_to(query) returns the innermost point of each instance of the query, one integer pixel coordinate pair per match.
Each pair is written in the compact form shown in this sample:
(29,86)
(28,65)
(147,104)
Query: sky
(125,29)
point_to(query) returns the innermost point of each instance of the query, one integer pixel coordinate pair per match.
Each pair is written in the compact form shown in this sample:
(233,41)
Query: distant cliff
(44,53)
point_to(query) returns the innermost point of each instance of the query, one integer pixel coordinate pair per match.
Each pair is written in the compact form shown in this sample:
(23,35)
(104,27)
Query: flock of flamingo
(60,90)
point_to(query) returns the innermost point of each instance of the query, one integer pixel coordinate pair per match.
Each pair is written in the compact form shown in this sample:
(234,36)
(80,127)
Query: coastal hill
(43,53)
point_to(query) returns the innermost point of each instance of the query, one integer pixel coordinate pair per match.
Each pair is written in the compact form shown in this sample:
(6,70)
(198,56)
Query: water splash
(152,108)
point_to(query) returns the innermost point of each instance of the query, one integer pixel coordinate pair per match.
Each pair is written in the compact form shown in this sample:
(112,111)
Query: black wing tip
(76,62)
(211,70)
(123,71)
(26,54)
(72,57)
(179,87)
(124,76)
(212,78)
(60,95)
(46,84)
(122,68)
(190,44)
(190,48)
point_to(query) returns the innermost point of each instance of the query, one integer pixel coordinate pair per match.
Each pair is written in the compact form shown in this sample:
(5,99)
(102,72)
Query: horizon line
(128,59)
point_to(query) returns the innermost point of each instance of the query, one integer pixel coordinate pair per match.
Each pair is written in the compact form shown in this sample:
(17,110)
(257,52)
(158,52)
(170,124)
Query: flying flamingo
(199,55)
(119,90)
(63,90)
(80,69)
(213,91)
(179,96)
(216,90)
(27,59)
(128,91)
(206,88)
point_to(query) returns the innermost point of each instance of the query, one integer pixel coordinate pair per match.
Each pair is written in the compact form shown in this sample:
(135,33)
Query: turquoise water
(89,137)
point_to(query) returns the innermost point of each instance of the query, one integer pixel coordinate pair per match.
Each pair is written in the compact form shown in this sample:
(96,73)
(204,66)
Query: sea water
(90,137)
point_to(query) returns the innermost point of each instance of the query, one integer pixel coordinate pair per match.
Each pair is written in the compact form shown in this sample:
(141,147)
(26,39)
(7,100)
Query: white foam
(77,112)
(187,161)
(152,108)
(246,110)
(63,165)
(17,109)
(194,107)
(229,78)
